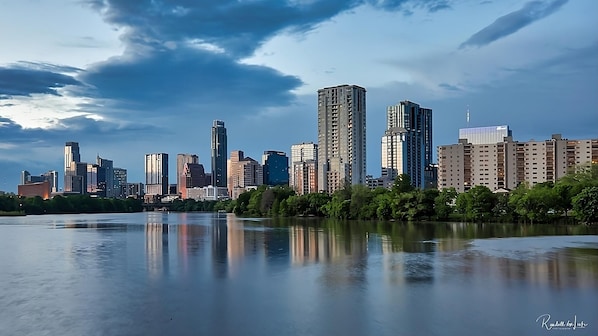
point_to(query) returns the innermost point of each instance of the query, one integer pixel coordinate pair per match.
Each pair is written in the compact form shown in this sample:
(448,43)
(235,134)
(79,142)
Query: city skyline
(104,77)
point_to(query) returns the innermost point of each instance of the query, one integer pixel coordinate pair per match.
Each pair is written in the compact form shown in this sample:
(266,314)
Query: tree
(443,203)
(585,205)
(402,184)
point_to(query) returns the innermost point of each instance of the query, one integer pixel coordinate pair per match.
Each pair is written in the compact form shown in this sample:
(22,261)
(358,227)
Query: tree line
(574,196)
(11,204)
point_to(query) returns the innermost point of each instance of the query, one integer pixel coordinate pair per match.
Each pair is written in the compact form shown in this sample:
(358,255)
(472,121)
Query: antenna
(467,116)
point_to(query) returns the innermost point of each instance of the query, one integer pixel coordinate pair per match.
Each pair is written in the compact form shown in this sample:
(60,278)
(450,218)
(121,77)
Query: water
(209,274)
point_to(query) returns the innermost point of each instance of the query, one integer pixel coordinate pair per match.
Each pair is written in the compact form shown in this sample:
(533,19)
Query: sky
(129,77)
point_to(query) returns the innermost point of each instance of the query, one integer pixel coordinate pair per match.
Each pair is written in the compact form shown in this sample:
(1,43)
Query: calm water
(204,274)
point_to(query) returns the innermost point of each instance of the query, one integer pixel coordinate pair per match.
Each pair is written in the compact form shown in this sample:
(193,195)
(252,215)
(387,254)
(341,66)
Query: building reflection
(156,243)
(558,269)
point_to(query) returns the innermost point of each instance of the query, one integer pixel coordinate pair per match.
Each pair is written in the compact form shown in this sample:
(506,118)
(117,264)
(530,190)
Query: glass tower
(219,153)
(156,174)
(407,143)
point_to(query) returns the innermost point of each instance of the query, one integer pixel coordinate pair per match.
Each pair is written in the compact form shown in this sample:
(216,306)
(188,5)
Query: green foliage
(402,184)
(68,204)
(476,204)
(443,203)
(585,205)
(544,202)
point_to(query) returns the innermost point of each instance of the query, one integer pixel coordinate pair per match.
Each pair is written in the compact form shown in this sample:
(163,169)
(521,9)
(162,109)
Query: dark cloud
(25,79)
(512,22)
(188,79)
(238,27)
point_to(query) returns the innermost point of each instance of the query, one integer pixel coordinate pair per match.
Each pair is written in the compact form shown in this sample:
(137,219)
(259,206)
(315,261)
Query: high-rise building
(74,174)
(243,172)
(276,168)
(303,177)
(219,152)
(106,183)
(407,143)
(194,176)
(341,137)
(156,174)
(52,177)
(506,164)
(120,182)
(181,160)
(94,175)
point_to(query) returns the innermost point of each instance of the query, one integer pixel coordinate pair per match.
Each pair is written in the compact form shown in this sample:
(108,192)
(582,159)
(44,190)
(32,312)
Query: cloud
(187,80)
(449,87)
(26,78)
(512,22)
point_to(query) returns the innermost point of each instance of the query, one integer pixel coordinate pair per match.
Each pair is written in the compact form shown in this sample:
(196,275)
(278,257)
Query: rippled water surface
(209,274)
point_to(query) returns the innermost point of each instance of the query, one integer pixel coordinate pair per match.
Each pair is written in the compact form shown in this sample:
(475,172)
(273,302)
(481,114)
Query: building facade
(303,177)
(181,160)
(120,182)
(194,176)
(341,137)
(219,152)
(156,174)
(276,168)
(243,173)
(74,177)
(506,164)
(407,144)
(485,135)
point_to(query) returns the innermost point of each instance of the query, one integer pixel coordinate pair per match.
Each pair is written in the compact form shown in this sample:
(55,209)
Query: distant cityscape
(485,156)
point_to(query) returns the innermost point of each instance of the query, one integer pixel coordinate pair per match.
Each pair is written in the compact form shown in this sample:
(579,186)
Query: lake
(158,273)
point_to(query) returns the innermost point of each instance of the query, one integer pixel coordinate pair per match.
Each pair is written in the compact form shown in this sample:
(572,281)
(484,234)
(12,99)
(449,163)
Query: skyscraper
(303,177)
(181,160)
(407,143)
(341,137)
(276,168)
(156,174)
(120,182)
(72,181)
(106,184)
(219,152)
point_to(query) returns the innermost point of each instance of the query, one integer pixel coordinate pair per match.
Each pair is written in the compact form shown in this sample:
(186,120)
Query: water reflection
(196,273)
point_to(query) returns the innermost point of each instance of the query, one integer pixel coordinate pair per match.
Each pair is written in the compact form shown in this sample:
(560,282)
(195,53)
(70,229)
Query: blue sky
(125,78)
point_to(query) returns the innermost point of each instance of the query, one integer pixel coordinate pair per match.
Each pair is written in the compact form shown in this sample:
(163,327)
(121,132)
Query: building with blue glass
(276,168)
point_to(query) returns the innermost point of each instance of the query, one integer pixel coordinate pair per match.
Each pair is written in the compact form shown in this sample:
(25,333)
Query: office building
(243,173)
(407,144)
(194,176)
(506,164)
(156,174)
(135,190)
(219,152)
(74,171)
(303,176)
(106,183)
(341,137)
(120,182)
(93,172)
(51,177)
(181,160)
(276,168)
